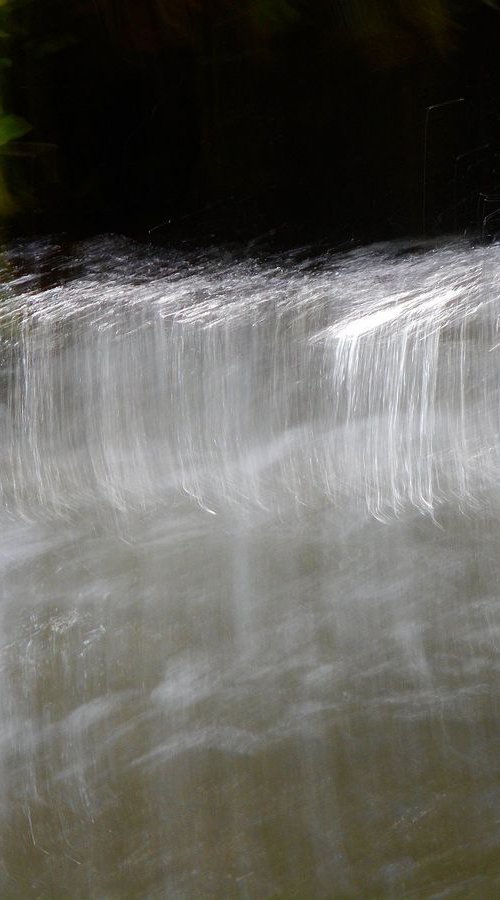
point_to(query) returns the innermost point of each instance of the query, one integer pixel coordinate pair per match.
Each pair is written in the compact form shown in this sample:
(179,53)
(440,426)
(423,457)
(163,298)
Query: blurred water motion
(250,617)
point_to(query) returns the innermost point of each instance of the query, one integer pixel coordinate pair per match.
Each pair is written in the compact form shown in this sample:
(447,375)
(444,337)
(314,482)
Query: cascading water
(250,612)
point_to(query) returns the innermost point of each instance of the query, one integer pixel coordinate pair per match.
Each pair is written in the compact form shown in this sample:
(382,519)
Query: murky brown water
(250,568)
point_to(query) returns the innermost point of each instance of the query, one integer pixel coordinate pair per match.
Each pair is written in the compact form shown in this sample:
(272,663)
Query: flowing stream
(249,573)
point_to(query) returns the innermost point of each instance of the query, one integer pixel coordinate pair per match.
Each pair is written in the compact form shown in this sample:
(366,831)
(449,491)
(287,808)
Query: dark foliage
(268,117)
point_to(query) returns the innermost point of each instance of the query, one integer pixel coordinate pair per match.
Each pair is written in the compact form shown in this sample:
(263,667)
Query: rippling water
(250,569)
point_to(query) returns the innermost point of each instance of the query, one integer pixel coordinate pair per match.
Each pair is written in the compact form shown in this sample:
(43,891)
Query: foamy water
(250,614)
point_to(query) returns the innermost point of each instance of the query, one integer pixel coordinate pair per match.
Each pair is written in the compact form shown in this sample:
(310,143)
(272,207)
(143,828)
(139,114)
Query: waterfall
(250,613)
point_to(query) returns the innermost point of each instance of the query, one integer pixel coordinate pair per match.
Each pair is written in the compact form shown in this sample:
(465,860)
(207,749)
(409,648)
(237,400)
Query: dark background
(212,120)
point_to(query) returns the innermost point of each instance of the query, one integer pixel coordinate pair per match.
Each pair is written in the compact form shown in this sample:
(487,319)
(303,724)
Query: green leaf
(12,127)
(55,45)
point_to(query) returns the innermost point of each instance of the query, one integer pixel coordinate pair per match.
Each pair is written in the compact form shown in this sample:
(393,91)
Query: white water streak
(241,383)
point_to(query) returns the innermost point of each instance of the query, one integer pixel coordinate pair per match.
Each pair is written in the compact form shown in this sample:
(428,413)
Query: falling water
(250,569)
